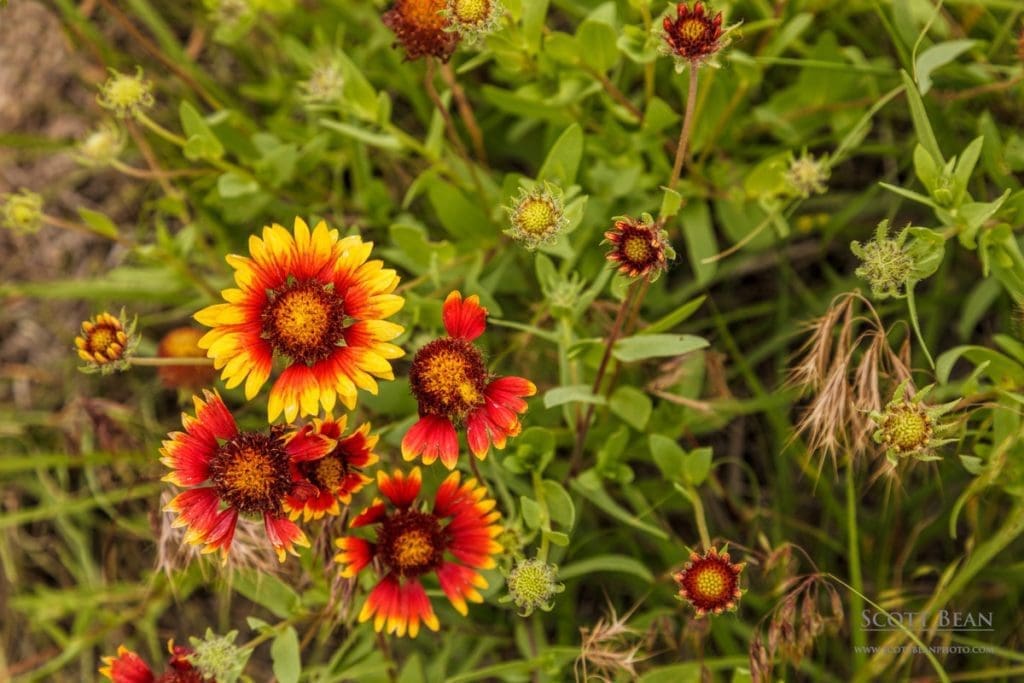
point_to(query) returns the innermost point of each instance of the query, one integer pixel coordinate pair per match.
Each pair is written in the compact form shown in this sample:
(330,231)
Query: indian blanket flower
(639,247)
(450,381)
(337,475)
(183,342)
(710,582)
(452,540)
(128,667)
(694,36)
(315,302)
(106,342)
(231,473)
(910,428)
(421,28)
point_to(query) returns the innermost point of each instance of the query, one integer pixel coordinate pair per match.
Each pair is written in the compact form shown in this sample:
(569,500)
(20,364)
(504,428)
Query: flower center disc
(536,216)
(693,30)
(472,11)
(251,473)
(305,321)
(101,337)
(423,14)
(636,249)
(411,543)
(711,584)
(326,473)
(907,428)
(448,377)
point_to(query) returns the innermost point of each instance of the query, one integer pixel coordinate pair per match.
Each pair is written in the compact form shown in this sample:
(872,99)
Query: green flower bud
(532,584)
(126,95)
(22,212)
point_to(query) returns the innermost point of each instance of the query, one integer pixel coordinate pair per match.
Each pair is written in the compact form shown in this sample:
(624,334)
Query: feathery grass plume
(845,359)
(610,648)
(808,608)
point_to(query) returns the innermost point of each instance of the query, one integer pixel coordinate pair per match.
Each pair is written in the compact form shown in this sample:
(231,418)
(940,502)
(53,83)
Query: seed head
(325,84)
(101,146)
(126,95)
(808,175)
(217,657)
(910,428)
(532,584)
(22,212)
(473,19)
(537,216)
(885,263)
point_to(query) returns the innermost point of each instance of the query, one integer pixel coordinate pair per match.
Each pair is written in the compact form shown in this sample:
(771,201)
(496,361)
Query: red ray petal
(126,667)
(355,553)
(460,584)
(284,535)
(464,319)
(371,515)
(399,488)
(432,437)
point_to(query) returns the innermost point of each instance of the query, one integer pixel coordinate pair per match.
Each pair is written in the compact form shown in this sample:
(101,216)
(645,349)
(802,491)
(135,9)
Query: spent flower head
(326,83)
(694,36)
(910,428)
(217,657)
(21,212)
(532,584)
(807,175)
(421,29)
(473,19)
(101,146)
(126,94)
(886,263)
(639,247)
(537,216)
(106,343)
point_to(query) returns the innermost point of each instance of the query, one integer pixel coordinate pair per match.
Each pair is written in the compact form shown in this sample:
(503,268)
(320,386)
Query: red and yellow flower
(710,582)
(639,247)
(453,540)
(337,475)
(694,35)
(128,667)
(422,28)
(451,383)
(235,473)
(315,302)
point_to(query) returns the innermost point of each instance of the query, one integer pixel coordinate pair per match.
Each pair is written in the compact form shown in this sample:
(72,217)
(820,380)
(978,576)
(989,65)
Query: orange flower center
(710,583)
(411,542)
(103,339)
(304,321)
(423,14)
(327,472)
(693,29)
(448,377)
(251,473)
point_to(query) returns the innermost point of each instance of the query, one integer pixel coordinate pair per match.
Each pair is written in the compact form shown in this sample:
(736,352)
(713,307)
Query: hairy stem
(684,134)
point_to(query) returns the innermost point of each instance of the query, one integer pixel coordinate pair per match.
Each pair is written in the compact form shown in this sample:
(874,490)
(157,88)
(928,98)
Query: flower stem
(583,426)
(78,227)
(466,111)
(168,362)
(856,577)
(698,515)
(453,133)
(684,134)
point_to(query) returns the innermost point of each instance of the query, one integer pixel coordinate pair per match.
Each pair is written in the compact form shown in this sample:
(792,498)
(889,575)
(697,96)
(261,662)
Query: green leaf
(935,57)
(632,405)
(589,486)
(619,564)
(382,140)
(559,502)
(533,513)
(575,393)
(677,316)
(598,47)
(268,591)
(925,134)
(99,223)
(670,203)
(460,217)
(697,465)
(201,142)
(927,249)
(701,244)
(642,346)
(556,537)
(563,160)
(284,652)
(668,456)
(231,185)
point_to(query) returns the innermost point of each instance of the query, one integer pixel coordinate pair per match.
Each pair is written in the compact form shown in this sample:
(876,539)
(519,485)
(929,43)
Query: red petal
(371,515)
(400,489)
(126,667)
(432,437)
(355,554)
(460,584)
(306,445)
(284,535)
(464,319)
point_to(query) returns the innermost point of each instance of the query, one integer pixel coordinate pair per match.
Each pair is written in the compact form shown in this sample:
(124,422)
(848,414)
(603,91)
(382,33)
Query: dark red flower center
(448,377)
(190,675)
(304,321)
(693,34)
(411,543)
(251,473)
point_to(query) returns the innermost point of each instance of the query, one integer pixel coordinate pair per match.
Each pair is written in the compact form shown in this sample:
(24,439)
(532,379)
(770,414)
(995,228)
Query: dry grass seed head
(611,647)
